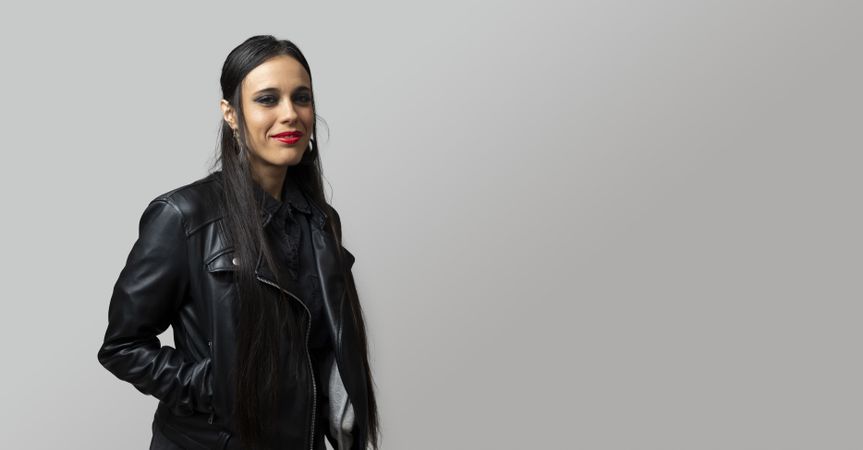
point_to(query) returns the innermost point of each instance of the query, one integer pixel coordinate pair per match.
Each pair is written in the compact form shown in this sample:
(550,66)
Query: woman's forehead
(280,72)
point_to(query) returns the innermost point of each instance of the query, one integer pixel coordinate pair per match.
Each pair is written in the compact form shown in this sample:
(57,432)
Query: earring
(237,138)
(312,145)
(240,146)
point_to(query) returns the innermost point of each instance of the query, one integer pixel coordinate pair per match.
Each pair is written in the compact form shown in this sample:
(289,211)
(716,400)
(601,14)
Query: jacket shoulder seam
(167,200)
(167,197)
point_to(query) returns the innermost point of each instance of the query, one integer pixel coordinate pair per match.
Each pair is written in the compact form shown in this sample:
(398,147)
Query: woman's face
(276,98)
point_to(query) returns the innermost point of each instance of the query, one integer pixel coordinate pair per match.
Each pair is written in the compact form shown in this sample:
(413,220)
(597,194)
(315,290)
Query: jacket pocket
(222,261)
(204,401)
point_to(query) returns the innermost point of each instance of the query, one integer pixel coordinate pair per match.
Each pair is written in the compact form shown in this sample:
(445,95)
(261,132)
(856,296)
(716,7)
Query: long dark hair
(261,320)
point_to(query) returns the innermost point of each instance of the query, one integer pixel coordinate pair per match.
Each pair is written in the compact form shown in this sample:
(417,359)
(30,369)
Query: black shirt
(290,231)
(290,234)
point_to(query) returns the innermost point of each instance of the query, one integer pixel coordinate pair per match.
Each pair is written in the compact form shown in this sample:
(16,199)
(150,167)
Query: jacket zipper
(308,356)
(213,412)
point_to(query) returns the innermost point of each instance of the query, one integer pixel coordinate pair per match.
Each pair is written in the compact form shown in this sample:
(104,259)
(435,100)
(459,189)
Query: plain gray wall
(579,225)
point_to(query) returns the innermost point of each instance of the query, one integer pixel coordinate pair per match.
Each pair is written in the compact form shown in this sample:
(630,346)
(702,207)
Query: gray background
(580,225)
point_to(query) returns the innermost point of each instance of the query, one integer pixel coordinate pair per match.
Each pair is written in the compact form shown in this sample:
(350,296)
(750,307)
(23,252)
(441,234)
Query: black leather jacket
(179,272)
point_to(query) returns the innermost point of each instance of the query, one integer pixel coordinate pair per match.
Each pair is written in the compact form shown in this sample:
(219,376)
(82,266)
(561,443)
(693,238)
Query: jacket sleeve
(348,257)
(342,422)
(149,290)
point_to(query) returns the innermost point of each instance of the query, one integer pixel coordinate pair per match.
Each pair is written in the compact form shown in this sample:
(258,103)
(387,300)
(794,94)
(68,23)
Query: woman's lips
(288,139)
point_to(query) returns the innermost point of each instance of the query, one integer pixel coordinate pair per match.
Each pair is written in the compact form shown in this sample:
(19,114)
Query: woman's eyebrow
(273,89)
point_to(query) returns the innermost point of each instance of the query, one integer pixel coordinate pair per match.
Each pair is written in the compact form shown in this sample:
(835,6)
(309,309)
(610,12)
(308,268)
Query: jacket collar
(292,192)
(325,245)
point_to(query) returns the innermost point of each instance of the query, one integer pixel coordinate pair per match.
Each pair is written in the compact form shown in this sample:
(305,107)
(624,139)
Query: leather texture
(180,273)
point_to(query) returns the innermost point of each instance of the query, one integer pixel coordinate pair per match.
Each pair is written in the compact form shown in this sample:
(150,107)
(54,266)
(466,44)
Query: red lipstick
(288,137)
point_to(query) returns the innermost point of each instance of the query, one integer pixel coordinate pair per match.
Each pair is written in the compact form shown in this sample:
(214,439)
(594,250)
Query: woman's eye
(304,98)
(267,99)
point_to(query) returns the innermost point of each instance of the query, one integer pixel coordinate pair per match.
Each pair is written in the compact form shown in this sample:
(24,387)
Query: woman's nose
(288,113)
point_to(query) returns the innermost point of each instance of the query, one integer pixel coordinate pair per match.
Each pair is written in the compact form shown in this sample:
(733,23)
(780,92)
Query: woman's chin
(286,157)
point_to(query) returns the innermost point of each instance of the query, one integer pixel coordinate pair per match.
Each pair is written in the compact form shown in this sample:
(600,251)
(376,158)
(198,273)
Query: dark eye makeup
(270,100)
(266,99)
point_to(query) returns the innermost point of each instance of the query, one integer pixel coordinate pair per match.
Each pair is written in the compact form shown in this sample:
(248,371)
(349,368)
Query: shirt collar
(292,196)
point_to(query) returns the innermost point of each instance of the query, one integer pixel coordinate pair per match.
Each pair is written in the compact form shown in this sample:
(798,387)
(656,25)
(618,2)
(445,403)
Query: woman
(246,264)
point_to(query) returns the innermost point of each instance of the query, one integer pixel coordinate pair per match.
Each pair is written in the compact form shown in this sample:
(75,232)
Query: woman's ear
(228,113)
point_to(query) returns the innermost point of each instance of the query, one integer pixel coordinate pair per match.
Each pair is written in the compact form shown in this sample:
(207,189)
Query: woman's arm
(146,296)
